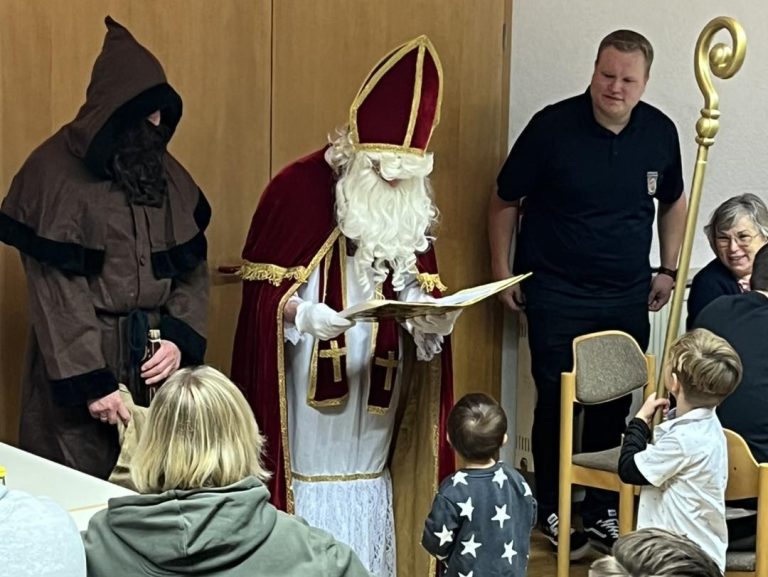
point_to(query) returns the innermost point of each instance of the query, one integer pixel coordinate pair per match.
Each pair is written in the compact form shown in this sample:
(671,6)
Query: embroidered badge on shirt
(652,179)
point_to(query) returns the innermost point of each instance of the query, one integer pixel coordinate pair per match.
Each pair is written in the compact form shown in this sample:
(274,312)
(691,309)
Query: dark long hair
(137,164)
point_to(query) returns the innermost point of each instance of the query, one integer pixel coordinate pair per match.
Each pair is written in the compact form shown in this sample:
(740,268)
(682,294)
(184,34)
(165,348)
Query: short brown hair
(476,427)
(706,366)
(628,41)
(655,552)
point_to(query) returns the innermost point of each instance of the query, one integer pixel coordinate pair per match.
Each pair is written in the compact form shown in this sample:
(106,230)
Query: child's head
(705,366)
(477,427)
(655,552)
(200,432)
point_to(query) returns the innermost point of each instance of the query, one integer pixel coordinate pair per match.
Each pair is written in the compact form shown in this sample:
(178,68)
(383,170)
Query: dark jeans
(551,331)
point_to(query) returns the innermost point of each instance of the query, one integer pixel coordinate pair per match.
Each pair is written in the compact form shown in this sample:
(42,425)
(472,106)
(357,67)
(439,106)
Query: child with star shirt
(482,515)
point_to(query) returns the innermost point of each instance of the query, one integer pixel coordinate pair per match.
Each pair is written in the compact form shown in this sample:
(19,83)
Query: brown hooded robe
(100,270)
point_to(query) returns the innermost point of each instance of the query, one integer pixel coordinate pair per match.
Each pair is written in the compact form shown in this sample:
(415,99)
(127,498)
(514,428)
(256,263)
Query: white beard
(388,224)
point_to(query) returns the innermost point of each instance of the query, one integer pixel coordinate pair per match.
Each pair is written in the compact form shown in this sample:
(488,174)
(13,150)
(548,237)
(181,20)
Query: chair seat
(739,561)
(607,460)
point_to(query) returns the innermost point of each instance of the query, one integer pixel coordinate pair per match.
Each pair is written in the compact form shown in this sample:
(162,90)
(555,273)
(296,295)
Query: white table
(80,494)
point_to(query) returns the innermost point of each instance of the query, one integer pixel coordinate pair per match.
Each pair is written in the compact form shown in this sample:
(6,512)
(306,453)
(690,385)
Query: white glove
(427,346)
(436,324)
(320,321)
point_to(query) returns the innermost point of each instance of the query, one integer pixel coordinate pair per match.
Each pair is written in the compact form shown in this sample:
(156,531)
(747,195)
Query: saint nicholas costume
(102,269)
(342,415)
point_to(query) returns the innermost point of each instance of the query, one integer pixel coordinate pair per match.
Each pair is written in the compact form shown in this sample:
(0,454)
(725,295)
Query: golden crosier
(723,61)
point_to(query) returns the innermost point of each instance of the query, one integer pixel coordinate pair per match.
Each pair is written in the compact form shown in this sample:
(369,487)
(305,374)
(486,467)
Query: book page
(391,309)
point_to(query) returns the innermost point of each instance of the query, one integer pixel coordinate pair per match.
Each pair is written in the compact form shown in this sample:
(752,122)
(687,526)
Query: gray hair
(657,553)
(736,207)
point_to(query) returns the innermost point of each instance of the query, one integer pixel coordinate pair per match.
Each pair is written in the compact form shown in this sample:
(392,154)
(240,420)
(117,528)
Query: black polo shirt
(588,212)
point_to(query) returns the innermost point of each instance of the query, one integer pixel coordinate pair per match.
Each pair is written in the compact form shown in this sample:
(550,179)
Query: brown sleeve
(68,334)
(185,323)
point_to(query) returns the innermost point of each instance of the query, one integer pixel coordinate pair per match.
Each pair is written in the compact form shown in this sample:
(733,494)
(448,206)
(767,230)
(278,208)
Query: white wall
(554,43)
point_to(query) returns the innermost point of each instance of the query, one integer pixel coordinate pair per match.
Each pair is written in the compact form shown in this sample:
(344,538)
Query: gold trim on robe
(289,499)
(336,478)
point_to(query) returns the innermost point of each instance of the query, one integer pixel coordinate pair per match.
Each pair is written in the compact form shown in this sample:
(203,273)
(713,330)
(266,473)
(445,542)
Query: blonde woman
(203,508)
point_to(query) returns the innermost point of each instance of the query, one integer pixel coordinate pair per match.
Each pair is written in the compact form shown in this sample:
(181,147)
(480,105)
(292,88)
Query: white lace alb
(366,521)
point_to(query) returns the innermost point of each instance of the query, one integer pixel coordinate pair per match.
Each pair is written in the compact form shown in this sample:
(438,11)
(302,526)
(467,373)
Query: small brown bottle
(153,345)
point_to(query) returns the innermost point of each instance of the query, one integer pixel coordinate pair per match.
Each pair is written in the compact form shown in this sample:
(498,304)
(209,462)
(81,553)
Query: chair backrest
(743,470)
(747,479)
(607,365)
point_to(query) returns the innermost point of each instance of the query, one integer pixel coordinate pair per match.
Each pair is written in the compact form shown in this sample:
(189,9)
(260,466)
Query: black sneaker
(579,541)
(604,532)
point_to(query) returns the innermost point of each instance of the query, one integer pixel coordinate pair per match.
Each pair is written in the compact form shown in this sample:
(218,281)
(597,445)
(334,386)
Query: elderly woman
(203,507)
(736,231)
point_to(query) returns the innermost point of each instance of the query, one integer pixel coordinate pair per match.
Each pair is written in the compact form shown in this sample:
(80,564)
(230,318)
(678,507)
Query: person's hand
(441,324)
(661,289)
(650,406)
(320,321)
(513,298)
(109,409)
(163,363)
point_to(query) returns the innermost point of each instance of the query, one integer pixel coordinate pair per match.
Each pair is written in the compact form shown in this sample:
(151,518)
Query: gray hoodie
(232,531)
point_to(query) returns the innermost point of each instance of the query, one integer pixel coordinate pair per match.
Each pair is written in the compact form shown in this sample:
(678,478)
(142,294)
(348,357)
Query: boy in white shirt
(684,473)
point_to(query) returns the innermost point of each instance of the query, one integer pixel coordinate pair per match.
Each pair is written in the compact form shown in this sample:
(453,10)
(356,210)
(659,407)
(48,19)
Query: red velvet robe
(292,229)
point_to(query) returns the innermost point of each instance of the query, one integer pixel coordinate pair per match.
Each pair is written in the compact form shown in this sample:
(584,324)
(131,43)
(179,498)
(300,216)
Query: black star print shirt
(480,523)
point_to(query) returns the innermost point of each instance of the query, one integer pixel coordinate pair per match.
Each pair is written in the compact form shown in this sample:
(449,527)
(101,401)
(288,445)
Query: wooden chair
(746,480)
(606,365)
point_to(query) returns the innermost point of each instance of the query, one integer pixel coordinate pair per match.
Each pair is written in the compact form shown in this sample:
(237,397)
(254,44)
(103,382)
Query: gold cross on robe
(335,353)
(390,363)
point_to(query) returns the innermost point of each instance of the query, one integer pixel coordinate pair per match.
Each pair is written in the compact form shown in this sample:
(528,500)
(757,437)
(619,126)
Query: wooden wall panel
(216,55)
(321,57)
(253,105)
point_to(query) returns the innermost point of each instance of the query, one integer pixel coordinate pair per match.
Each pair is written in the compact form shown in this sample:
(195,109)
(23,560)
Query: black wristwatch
(667,271)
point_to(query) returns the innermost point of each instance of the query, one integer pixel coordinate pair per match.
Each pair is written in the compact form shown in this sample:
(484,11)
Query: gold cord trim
(336,478)
(430,282)
(272,273)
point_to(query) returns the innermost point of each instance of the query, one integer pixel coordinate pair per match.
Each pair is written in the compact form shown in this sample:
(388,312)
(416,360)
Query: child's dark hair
(476,427)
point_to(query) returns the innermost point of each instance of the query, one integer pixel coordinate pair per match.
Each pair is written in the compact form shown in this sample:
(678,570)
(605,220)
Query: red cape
(294,224)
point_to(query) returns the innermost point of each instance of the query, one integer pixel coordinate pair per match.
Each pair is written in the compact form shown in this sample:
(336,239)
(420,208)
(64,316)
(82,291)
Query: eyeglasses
(742,239)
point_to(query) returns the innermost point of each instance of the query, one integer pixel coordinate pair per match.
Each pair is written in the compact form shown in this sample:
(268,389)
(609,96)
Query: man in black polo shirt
(589,169)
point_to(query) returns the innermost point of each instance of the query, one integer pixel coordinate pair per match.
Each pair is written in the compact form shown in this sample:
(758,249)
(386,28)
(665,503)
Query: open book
(388,309)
